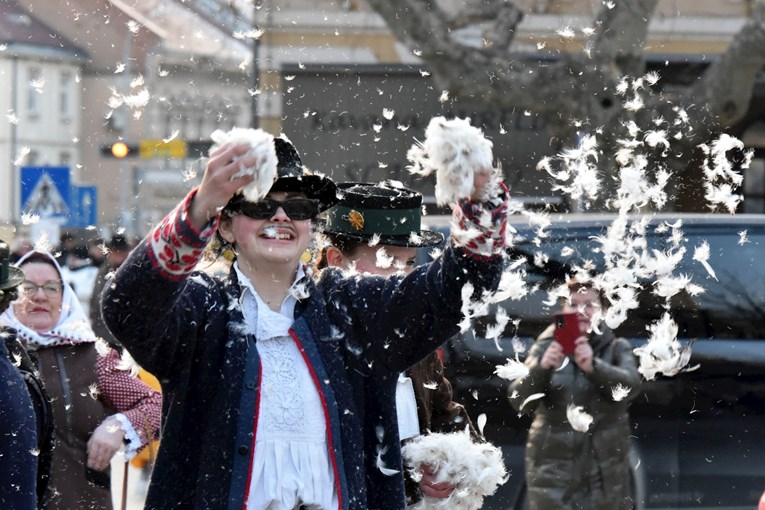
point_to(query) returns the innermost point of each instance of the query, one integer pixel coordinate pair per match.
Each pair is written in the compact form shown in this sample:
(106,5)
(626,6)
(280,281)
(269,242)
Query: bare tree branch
(622,28)
(507,18)
(727,85)
(581,86)
(421,25)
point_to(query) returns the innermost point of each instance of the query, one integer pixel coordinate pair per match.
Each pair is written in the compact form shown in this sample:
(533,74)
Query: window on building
(34,86)
(65,96)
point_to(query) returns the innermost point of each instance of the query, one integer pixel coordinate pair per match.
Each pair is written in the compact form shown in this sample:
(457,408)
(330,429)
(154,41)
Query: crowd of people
(285,384)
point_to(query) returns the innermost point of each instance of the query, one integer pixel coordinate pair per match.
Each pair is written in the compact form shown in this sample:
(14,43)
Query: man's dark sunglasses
(296,208)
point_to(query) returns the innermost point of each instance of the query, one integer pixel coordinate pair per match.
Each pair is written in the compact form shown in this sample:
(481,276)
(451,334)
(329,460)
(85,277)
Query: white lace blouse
(291,463)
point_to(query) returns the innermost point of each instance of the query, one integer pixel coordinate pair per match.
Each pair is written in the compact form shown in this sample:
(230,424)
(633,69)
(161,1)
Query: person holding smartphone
(590,369)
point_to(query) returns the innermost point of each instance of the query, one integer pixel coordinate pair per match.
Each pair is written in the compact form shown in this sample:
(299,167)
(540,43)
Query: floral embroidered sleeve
(479,227)
(138,406)
(175,245)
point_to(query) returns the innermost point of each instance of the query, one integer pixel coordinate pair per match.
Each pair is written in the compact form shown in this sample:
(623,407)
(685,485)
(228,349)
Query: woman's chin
(40,326)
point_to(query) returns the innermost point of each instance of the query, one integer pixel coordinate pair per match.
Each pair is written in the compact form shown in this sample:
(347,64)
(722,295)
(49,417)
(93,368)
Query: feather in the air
(620,392)
(531,398)
(701,255)
(512,370)
(578,418)
(663,353)
(382,450)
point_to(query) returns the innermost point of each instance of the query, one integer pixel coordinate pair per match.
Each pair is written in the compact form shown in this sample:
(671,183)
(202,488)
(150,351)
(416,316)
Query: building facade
(40,99)
(177,70)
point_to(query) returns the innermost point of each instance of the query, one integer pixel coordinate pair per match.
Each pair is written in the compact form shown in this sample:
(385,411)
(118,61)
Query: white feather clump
(512,370)
(721,179)
(382,450)
(262,148)
(455,150)
(663,353)
(472,309)
(579,420)
(475,470)
(128,364)
(620,392)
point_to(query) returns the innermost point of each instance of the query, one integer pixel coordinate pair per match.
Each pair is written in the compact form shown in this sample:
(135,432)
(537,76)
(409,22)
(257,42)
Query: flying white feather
(620,392)
(701,255)
(381,450)
(512,370)
(531,398)
(663,353)
(577,418)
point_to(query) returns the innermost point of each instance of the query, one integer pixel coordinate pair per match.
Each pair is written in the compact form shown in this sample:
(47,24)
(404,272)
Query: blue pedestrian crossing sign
(45,191)
(84,201)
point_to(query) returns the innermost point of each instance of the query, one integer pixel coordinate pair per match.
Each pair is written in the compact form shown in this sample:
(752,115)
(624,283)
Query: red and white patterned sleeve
(480,227)
(139,407)
(175,245)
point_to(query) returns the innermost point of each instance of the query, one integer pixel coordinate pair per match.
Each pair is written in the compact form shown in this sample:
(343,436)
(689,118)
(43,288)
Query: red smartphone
(566,330)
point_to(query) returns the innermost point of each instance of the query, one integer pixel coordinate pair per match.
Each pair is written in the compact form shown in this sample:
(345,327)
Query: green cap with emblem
(387,210)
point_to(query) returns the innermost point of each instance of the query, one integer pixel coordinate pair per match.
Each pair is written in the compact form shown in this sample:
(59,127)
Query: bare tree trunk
(577,92)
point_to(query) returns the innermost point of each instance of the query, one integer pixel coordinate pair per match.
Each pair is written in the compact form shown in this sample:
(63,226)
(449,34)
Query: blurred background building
(161,75)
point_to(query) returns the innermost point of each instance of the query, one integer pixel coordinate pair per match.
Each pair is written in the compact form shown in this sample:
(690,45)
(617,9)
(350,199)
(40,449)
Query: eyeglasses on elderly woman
(50,289)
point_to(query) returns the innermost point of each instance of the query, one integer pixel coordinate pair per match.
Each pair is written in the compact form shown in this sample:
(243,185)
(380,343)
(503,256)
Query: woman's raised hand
(218,184)
(482,179)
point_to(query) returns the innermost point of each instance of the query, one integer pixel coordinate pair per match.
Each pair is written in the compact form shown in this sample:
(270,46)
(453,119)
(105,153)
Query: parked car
(698,436)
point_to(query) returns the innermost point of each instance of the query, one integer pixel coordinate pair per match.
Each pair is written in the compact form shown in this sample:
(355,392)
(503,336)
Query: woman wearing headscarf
(97,405)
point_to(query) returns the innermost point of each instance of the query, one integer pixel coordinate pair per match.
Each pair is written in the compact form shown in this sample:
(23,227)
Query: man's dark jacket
(356,334)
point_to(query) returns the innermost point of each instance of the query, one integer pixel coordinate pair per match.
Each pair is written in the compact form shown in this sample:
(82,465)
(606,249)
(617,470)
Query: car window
(733,306)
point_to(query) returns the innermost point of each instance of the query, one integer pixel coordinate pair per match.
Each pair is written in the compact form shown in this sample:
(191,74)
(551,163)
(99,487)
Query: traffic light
(119,150)
(157,148)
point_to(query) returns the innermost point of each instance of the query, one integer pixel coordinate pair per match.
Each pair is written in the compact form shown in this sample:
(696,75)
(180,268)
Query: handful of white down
(262,148)
(475,470)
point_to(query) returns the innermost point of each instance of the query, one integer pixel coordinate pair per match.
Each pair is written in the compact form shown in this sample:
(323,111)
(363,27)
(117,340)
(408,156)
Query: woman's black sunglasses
(296,208)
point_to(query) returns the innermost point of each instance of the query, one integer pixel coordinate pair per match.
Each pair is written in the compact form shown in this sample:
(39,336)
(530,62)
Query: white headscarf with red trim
(72,327)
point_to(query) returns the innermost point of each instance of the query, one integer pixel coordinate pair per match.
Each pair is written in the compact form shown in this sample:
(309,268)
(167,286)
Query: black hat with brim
(293,176)
(390,213)
(10,276)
